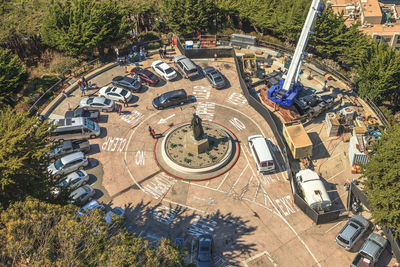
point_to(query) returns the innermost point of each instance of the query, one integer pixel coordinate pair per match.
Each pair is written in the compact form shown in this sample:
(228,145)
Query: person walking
(160,52)
(125,102)
(151,132)
(119,108)
(165,51)
(82,91)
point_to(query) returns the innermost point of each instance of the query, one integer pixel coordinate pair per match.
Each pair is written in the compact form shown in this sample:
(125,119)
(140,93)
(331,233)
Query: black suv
(172,98)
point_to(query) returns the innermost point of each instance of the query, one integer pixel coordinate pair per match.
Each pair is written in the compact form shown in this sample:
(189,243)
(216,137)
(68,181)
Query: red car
(146,76)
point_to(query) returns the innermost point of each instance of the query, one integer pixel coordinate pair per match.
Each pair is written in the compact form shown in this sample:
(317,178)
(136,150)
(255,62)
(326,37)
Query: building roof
(381,29)
(371,8)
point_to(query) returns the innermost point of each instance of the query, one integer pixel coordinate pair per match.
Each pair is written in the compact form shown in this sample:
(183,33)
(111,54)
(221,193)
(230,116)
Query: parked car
(354,229)
(97,103)
(146,76)
(80,112)
(172,98)
(70,146)
(370,251)
(117,211)
(214,77)
(164,70)
(186,67)
(115,93)
(68,164)
(127,83)
(85,210)
(72,181)
(82,194)
(204,251)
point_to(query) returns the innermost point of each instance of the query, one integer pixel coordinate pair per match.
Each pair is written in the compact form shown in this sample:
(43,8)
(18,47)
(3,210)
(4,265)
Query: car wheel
(93,136)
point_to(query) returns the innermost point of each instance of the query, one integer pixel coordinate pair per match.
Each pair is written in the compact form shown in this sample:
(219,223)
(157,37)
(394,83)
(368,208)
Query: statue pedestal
(195,146)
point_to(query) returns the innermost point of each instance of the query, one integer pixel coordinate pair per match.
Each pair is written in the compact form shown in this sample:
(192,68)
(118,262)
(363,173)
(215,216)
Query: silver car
(354,229)
(214,77)
(97,103)
(67,164)
(72,181)
(82,194)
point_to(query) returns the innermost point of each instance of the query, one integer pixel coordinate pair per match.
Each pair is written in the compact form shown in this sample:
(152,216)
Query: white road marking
(335,175)
(185,206)
(202,92)
(237,180)
(114,143)
(205,110)
(162,120)
(260,255)
(132,118)
(223,180)
(164,214)
(333,227)
(237,99)
(140,157)
(237,124)
(159,185)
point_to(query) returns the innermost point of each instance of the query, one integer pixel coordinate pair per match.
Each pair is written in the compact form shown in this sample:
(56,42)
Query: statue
(197,127)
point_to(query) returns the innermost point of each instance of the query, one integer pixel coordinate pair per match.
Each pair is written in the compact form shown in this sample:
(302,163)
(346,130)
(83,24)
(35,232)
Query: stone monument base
(195,146)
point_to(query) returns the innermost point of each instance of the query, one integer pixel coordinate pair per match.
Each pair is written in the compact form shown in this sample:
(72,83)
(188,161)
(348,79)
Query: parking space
(251,215)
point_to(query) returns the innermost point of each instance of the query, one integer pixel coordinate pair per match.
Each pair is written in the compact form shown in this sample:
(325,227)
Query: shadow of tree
(183,226)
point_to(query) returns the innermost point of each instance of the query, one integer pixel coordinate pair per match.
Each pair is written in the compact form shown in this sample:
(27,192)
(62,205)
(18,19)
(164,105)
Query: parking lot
(251,216)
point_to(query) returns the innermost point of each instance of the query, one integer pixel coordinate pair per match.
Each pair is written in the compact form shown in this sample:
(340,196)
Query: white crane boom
(294,69)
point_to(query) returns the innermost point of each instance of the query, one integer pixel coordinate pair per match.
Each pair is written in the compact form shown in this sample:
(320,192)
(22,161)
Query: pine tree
(383,179)
(80,26)
(12,76)
(46,234)
(23,158)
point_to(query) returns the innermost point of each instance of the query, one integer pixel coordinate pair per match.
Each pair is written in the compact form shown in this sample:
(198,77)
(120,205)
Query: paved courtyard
(252,216)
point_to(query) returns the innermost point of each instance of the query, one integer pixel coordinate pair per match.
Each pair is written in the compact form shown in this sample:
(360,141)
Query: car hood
(83,102)
(52,169)
(156,102)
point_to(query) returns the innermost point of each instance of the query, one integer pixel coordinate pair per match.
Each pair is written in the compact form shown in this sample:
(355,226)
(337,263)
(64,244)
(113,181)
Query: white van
(313,189)
(74,128)
(261,153)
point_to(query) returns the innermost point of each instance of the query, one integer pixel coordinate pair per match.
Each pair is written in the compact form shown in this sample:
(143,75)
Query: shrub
(60,64)
(190,154)
(187,160)
(184,130)
(173,145)
(153,45)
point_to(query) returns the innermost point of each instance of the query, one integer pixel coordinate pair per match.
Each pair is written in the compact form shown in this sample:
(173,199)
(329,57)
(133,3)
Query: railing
(61,81)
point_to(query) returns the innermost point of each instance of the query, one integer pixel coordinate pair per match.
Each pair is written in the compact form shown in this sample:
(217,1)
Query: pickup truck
(70,146)
(80,112)
(370,251)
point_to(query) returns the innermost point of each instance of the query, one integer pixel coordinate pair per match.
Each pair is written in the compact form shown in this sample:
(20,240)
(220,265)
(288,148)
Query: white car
(68,164)
(115,93)
(72,181)
(164,70)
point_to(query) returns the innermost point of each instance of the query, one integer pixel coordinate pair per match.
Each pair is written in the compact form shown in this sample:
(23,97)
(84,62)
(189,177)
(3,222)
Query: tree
(80,26)
(44,234)
(383,179)
(188,17)
(23,158)
(379,74)
(12,76)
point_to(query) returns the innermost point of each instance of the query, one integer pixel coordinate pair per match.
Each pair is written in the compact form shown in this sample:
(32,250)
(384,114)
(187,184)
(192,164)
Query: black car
(204,251)
(215,77)
(172,98)
(80,112)
(127,83)
(68,147)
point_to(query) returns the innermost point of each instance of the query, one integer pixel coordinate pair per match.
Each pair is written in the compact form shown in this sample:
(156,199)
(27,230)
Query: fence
(69,73)
(265,113)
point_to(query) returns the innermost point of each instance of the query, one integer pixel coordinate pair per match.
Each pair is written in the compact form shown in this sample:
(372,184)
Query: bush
(187,160)
(60,64)
(153,45)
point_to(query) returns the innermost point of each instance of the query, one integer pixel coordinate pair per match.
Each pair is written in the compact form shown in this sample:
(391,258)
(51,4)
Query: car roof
(75,174)
(67,144)
(146,72)
(72,157)
(79,191)
(209,69)
(99,99)
(163,65)
(373,244)
(177,58)
(350,230)
(175,93)
(361,220)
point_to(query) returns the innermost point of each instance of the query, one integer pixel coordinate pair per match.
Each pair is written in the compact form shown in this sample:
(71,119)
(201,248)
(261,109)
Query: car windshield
(163,98)
(108,89)
(90,124)
(152,76)
(343,240)
(58,164)
(117,211)
(169,70)
(124,92)
(63,183)
(80,173)
(107,102)
(90,101)
(218,79)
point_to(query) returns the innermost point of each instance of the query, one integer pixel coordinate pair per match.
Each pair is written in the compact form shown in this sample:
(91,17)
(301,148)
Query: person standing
(119,108)
(125,102)
(151,132)
(165,51)
(64,93)
(160,52)
(82,91)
